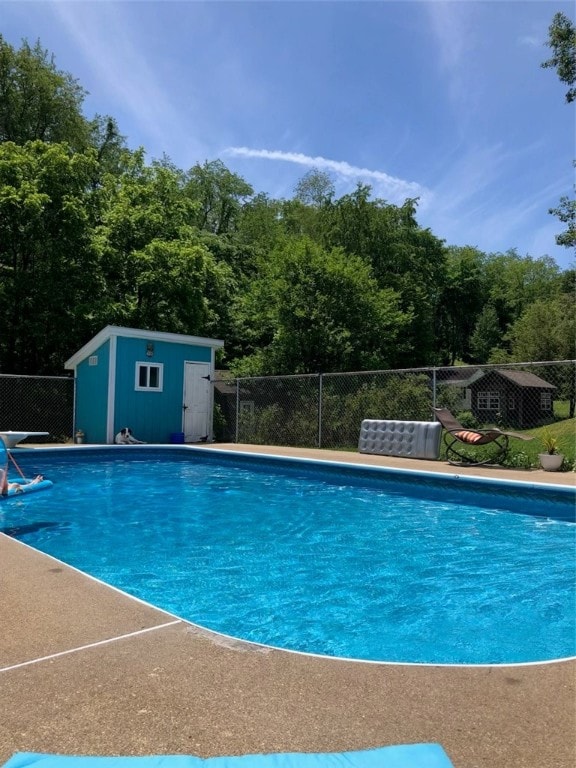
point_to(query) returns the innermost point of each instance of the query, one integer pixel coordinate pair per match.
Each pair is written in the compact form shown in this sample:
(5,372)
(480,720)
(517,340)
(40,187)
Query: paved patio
(84,669)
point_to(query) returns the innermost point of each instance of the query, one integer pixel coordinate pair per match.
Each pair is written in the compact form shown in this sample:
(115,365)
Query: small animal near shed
(159,384)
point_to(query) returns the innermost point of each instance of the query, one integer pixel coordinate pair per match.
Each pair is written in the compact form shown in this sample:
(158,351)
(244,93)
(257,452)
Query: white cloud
(474,205)
(383,185)
(104,36)
(449,26)
(457,28)
(531,41)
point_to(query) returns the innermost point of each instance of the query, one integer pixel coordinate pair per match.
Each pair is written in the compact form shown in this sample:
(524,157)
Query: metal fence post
(280,410)
(237,409)
(319,410)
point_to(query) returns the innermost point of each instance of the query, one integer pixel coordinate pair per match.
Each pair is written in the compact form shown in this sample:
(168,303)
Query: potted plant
(552,459)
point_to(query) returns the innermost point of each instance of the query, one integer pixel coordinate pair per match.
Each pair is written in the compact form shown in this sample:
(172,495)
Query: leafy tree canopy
(545,331)
(313,310)
(315,188)
(49,268)
(566,212)
(562,41)
(92,233)
(38,101)
(219,194)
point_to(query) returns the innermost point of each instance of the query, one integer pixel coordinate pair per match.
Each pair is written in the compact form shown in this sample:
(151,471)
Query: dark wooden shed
(512,398)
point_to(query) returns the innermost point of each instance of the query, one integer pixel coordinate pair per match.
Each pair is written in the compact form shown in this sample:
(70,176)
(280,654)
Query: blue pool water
(366,565)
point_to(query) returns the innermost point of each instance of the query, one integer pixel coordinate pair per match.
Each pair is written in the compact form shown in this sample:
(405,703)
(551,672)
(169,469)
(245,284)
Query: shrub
(467,419)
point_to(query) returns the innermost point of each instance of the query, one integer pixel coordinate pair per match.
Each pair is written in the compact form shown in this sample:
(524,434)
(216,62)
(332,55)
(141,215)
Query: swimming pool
(329,559)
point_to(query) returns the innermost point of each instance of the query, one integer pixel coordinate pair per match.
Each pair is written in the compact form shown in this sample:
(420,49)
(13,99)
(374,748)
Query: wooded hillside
(93,234)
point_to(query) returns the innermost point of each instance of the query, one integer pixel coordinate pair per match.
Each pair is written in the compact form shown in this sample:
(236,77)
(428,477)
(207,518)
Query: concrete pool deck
(85,669)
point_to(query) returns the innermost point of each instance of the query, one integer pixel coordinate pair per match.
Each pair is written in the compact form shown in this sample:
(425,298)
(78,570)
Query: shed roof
(520,378)
(136,333)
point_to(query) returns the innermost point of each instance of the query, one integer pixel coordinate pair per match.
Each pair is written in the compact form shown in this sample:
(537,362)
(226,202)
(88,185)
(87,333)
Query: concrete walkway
(84,669)
(395,462)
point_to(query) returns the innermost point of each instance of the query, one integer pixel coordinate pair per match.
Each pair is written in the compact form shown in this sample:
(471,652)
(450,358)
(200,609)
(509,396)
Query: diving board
(11,439)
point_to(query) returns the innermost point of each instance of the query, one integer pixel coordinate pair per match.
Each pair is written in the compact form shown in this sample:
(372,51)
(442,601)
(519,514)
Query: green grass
(561,409)
(564,431)
(524,454)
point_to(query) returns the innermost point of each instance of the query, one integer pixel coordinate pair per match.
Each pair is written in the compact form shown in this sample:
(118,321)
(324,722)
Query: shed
(159,384)
(515,398)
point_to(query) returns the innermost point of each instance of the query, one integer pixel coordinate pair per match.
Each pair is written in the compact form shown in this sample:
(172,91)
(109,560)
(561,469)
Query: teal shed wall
(107,393)
(92,395)
(152,416)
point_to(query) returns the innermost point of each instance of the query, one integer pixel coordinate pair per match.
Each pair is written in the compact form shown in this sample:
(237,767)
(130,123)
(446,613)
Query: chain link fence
(37,404)
(326,410)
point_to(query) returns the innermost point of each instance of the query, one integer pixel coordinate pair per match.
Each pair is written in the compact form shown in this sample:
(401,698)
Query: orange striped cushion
(468,437)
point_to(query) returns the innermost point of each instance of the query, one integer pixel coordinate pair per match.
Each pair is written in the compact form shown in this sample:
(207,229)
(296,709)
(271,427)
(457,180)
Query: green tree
(170,286)
(464,293)
(546,330)
(487,335)
(516,282)
(218,195)
(566,212)
(259,224)
(145,204)
(37,100)
(49,268)
(303,215)
(315,188)
(562,41)
(313,310)
(110,146)
(160,272)
(404,258)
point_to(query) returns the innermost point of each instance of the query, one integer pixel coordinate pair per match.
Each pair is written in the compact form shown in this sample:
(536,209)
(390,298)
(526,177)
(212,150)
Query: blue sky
(445,101)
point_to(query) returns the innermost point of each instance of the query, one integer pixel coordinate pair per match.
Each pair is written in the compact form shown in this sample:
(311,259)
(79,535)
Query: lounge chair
(456,436)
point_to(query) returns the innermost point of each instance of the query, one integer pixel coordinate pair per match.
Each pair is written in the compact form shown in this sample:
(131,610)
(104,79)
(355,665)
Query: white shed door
(196,401)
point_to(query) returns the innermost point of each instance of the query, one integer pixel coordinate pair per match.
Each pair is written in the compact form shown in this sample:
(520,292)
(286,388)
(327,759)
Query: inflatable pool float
(22,484)
(25,485)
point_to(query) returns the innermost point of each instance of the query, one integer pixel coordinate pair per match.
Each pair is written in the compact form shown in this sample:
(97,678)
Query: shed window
(545,401)
(489,401)
(149,377)
(247,407)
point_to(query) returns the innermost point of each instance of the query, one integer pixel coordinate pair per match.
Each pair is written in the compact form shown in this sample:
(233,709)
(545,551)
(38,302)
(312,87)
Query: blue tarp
(402,756)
